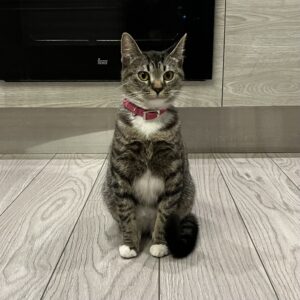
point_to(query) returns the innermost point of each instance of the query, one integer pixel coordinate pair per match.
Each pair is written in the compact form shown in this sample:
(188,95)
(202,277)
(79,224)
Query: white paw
(159,250)
(126,252)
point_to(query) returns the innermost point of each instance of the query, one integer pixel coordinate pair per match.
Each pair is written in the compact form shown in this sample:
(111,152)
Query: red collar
(146,114)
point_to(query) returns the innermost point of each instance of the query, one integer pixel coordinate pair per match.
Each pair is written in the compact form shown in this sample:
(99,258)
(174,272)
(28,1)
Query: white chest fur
(147,127)
(148,187)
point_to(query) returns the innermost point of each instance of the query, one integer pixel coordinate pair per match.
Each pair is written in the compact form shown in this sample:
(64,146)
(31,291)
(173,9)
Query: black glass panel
(80,39)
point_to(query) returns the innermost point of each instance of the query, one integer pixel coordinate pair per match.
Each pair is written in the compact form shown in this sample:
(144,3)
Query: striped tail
(181,235)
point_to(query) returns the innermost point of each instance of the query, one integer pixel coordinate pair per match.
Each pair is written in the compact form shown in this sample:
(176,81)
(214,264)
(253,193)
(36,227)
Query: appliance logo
(102,61)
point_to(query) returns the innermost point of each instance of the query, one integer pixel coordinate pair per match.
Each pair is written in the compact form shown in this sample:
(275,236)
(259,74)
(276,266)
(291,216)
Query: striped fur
(148,184)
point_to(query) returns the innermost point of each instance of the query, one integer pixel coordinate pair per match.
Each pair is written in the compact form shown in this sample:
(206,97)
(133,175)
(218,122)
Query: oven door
(80,39)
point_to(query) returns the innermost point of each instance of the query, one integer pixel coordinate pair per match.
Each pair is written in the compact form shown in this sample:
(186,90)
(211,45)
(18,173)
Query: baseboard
(89,130)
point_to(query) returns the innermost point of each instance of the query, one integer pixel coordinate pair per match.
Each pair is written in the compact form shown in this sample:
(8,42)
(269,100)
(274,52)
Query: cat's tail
(181,235)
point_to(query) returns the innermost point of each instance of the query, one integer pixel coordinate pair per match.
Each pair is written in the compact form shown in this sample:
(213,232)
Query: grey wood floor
(57,240)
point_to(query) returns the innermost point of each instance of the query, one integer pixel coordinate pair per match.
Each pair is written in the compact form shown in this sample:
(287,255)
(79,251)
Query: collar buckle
(149,111)
(134,113)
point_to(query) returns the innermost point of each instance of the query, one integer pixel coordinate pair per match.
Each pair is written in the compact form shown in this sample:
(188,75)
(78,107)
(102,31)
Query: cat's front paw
(126,252)
(159,250)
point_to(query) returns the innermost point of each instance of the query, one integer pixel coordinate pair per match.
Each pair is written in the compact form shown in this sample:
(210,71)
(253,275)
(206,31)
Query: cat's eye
(168,75)
(144,76)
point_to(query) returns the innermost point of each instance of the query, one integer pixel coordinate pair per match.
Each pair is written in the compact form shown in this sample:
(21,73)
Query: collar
(146,114)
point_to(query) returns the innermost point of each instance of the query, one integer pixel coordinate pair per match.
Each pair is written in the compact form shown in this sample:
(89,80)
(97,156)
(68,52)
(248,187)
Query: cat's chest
(148,187)
(147,127)
(152,153)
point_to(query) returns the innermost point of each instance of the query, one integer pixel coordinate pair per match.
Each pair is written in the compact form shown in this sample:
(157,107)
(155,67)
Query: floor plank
(16,172)
(270,206)
(225,264)
(36,227)
(289,163)
(91,268)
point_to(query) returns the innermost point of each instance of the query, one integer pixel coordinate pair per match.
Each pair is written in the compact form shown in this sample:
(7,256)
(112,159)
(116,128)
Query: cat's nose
(158,90)
(157,86)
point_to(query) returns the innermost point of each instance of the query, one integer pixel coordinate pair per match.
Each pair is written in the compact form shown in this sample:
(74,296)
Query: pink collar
(146,114)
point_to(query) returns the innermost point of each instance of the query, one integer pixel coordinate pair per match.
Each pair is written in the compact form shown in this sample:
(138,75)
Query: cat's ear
(178,50)
(129,49)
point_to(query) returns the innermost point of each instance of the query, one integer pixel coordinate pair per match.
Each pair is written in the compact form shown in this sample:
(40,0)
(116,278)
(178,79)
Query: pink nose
(157,86)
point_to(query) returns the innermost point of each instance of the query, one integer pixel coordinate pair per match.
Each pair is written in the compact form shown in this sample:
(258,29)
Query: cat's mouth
(157,97)
(155,103)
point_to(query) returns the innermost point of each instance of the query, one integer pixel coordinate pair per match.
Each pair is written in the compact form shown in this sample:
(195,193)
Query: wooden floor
(57,240)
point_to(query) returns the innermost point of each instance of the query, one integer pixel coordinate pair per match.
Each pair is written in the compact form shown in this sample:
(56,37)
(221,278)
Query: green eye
(168,75)
(144,76)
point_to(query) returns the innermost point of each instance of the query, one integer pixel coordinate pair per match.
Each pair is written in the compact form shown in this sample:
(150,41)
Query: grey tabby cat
(148,186)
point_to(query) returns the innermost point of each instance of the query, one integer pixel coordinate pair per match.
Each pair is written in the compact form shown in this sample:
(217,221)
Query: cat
(148,187)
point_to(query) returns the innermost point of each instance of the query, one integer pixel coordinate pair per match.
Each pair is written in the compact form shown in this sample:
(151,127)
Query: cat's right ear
(129,49)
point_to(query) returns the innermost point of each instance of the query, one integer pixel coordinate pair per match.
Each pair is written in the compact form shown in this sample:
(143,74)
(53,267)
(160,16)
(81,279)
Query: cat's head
(151,79)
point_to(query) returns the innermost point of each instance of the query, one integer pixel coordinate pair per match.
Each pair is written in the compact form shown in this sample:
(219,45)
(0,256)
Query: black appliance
(80,39)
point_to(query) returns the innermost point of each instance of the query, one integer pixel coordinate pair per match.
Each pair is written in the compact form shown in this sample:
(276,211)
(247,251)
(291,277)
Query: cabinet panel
(262,53)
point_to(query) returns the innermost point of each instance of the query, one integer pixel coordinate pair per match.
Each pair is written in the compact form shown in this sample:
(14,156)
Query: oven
(67,40)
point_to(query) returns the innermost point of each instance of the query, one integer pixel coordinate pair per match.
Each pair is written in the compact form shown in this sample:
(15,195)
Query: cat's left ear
(178,51)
